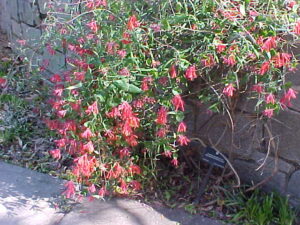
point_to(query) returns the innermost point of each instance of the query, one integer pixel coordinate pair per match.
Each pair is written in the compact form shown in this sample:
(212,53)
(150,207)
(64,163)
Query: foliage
(119,107)
(259,208)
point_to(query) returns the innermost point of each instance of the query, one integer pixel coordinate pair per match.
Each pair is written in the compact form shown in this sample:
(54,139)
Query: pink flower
(3,82)
(228,90)
(61,142)
(22,42)
(178,103)
(269,44)
(134,169)
(87,134)
(80,76)
(175,162)
(297,28)
(270,98)
(122,53)
(92,189)
(167,154)
(161,133)
(190,73)
(92,109)
(70,189)
(55,153)
(172,71)
(111,47)
(102,192)
(264,68)
(55,78)
(282,59)
(124,72)
(162,116)
(220,47)
(132,23)
(209,61)
(268,112)
(124,152)
(135,185)
(230,61)
(258,88)
(93,26)
(89,147)
(146,82)
(183,140)
(61,113)
(181,127)
(50,49)
(288,96)
(155,27)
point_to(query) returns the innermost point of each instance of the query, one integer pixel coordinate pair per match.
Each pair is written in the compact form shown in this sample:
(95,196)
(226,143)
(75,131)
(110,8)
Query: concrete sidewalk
(26,196)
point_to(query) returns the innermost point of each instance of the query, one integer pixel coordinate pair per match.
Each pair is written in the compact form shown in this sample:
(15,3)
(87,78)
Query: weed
(258,208)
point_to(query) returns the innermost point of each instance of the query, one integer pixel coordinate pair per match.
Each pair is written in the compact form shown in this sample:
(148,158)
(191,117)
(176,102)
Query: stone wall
(21,20)
(260,150)
(248,145)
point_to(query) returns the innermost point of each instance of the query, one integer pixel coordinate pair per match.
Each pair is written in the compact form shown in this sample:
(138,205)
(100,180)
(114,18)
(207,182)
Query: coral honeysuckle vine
(119,106)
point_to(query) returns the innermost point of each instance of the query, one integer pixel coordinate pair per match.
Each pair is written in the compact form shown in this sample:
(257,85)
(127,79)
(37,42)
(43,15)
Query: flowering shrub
(119,107)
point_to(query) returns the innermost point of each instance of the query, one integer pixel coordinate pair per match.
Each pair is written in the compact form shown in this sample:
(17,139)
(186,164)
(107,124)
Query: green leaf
(125,86)
(79,85)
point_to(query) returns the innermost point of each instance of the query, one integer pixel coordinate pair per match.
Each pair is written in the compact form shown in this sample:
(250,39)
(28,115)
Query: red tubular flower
(268,112)
(92,109)
(282,59)
(102,192)
(124,72)
(124,152)
(70,189)
(220,48)
(89,147)
(181,127)
(161,133)
(134,169)
(270,98)
(228,90)
(93,26)
(87,134)
(269,44)
(55,153)
(80,76)
(122,53)
(167,154)
(297,28)
(175,162)
(145,82)
(172,71)
(230,61)
(162,116)
(132,140)
(61,142)
(132,23)
(287,97)
(55,78)
(264,68)
(135,185)
(183,140)
(126,38)
(178,103)
(190,73)
(92,189)
(209,61)
(258,88)
(3,82)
